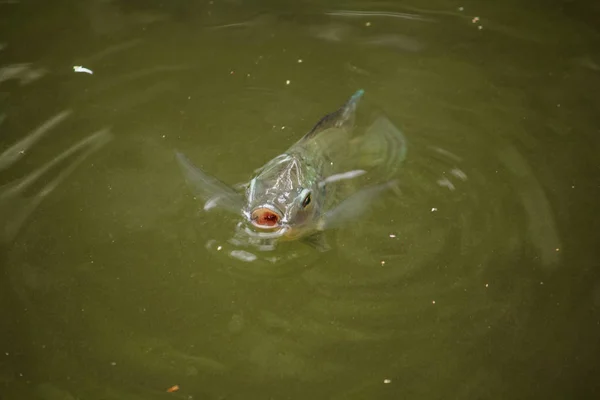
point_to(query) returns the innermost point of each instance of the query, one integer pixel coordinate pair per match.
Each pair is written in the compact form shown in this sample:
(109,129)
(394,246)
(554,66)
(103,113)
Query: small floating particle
(475,20)
(433,209)
(433,302)
(461,8)
(79,68)
(392,235)
(480,27)
(299,61)
(383,263)
(283,127)
(557,249)
(173,388)
(231,73)
(486,285)
(541,283)
(287,82)
(368,24)
(113,363)
(219,248)
(387,381)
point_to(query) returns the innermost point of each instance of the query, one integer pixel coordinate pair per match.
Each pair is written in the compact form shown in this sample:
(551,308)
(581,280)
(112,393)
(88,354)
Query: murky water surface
(479,281)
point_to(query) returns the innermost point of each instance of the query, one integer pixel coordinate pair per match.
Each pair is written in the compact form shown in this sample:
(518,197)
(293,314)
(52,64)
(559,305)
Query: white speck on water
(383,263)
(299,61)
(461,8)
(486,285)
(541,283)
(79,68)
(113,363)
(480,27)
(433,209)
(189,97)
(164,136)
(387,381)
(219,248)
(287,82)
(392,235)
(433,302)
(368,24)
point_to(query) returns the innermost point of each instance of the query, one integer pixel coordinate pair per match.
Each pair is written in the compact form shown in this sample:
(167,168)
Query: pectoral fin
(208,188)
(353,207)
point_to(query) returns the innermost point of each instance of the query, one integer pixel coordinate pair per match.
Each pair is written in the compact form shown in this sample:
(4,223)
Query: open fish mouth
(266,217)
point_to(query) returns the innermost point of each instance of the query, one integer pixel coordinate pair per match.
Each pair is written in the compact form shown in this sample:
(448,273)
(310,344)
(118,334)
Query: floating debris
(392,235)
(173,389)
(475,20)
(79,68)
(433,209)
(287,82)
(387,381)
(299,61)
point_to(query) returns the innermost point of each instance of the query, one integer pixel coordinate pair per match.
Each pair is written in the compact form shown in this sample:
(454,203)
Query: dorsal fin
(343,117)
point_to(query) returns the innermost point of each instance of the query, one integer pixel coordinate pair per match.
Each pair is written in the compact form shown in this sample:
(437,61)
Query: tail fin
(382,148)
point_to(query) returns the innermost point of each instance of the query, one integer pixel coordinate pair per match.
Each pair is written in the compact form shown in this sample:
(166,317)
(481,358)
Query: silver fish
(308,188)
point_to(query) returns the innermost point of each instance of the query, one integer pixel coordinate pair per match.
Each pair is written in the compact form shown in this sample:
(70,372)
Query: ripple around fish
(244,256)
(459,221)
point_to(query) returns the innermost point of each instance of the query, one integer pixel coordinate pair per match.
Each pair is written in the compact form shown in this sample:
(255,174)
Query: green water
(481,281)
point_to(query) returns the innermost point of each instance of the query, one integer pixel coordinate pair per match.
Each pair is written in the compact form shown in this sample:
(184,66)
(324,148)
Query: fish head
(284,197)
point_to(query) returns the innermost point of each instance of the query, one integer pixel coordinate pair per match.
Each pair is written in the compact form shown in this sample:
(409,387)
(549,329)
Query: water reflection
(15,205)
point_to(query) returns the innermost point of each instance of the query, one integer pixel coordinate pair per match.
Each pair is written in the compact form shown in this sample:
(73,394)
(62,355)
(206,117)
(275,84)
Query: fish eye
(306,201)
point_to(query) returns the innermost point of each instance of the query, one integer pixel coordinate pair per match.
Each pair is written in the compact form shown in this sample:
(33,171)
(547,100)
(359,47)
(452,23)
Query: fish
(308,188)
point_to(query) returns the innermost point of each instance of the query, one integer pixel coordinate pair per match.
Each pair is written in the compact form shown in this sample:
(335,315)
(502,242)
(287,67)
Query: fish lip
(279,232)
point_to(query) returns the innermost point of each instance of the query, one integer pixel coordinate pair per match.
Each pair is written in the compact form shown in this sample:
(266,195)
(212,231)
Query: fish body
(301,192)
